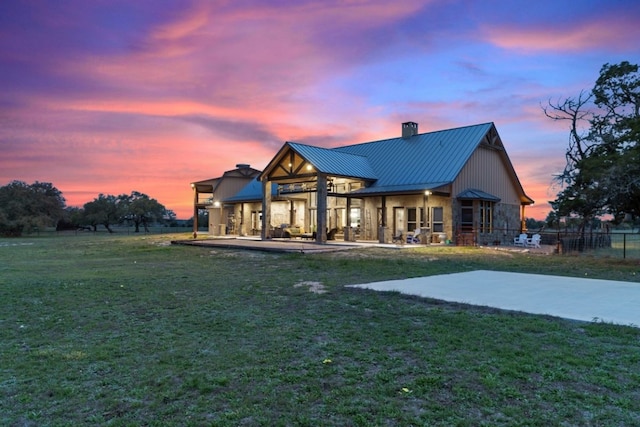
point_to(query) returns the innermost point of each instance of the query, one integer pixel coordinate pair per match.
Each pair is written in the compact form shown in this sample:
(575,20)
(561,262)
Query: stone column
(321,236)
(265,233)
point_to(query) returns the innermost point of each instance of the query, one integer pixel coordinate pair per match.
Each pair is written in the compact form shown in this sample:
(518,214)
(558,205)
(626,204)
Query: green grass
(127,331)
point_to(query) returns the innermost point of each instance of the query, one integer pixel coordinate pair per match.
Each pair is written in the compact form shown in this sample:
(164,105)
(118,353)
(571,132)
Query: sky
(114,96)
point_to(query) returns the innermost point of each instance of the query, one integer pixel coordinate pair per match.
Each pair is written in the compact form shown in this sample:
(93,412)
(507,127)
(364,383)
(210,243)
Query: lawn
(130,330)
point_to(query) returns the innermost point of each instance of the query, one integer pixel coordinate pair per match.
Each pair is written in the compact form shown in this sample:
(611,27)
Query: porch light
(427,193)
(216,204)
(309,167)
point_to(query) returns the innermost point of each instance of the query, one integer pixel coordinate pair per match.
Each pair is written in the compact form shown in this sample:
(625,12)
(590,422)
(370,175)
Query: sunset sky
(109,96)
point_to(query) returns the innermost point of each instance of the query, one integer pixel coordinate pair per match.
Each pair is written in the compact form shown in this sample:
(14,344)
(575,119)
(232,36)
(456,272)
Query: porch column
(195,211)
(383,221)
(265,233)
(349,234)
(321,220)
(523,223)
(241,230)
(292,215)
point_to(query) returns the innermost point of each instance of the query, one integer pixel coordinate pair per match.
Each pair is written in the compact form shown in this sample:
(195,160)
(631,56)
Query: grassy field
(128,331)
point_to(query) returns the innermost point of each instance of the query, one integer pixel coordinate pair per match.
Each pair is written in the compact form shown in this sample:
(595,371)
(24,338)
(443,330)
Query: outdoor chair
(534,241)
(521,240)
(414,237)
(399,238)
(331,235)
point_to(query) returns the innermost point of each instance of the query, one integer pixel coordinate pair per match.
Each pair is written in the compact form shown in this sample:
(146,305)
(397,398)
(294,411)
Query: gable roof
(426,161)
(336,163)
(242,171)
(399,163)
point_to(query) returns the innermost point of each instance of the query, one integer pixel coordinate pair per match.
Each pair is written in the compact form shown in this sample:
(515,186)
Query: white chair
(521,240)
(534,241)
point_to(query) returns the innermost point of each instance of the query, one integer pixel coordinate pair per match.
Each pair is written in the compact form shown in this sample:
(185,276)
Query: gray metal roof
(335,163)
(422,161)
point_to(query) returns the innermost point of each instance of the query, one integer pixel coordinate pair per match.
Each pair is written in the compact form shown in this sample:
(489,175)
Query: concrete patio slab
(568,297)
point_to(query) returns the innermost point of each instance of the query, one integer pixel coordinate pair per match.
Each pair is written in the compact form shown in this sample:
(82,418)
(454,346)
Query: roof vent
(409,129)
(242,166)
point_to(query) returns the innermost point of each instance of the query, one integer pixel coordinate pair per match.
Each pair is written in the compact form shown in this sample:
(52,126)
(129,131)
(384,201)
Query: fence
(101,230)
(616,244)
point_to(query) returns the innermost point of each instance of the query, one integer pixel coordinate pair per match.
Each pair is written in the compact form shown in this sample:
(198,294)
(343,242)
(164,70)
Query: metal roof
(423,160)
(252,192)
(475,194)
(376,189)
(335,163)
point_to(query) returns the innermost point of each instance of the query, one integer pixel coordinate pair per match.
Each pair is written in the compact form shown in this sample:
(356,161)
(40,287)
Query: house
(454,185)
(210,194)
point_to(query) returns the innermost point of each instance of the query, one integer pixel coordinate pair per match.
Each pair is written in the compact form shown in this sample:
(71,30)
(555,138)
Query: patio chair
(414,237)
(331,235)
(534,241)
(521,240)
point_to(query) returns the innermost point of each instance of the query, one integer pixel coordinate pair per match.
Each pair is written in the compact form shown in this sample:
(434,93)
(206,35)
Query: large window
(486,216)
(466,216)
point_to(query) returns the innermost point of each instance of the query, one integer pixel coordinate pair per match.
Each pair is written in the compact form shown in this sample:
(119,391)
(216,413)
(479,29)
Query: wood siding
(487,171)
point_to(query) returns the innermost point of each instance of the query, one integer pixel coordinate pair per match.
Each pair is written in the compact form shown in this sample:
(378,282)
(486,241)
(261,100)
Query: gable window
(486,216)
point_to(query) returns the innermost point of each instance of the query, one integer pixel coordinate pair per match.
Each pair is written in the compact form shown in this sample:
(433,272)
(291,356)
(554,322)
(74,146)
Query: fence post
(624,245)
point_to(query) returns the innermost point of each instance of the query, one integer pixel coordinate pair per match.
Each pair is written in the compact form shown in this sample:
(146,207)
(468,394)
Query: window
(412,217)
(256,220)
(466,216)
(438,219)
(354,218)
(486,216)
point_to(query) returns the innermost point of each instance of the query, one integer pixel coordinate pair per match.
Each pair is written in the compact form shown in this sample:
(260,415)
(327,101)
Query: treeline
(25,207)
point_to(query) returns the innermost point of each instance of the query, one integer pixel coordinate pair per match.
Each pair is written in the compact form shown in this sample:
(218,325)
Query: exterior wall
(247,218)
(372,204)
(225,218)
(506,223)
(487,171)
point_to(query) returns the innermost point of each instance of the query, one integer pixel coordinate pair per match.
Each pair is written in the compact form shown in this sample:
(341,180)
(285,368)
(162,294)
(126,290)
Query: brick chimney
(409,129)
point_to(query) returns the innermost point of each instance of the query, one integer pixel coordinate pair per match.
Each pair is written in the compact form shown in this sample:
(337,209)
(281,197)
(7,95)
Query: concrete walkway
(568,297)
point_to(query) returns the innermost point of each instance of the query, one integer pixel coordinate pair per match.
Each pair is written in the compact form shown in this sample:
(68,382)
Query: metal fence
(616,244)
(612,243)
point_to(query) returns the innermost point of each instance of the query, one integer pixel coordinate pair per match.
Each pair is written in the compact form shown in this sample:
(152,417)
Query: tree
(602,160)
(533,224)
(104,210)
(24,206)
(143,210)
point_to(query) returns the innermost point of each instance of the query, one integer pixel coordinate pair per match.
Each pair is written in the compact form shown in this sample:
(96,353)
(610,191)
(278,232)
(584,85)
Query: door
(399,223)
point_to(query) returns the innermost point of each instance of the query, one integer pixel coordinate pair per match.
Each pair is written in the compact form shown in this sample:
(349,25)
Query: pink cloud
(616,33)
